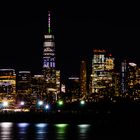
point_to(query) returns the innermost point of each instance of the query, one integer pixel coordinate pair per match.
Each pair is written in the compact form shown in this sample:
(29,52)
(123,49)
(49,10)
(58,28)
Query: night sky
(78,28)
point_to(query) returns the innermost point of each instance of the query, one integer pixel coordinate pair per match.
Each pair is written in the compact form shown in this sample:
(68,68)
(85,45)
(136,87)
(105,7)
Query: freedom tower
(49,67)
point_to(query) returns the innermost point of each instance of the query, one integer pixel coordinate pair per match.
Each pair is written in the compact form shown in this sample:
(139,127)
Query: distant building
(124,78)
(38,88)
(102,70)
(7,81)
(98,70)
(83,79)
(73,87)
(129,77)
(24,82)
(109,62)
(116,84)
(58,81)
(132,69)
(138,75)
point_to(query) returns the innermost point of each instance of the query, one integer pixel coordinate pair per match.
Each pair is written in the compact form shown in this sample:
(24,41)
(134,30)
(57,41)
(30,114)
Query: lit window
(53,64)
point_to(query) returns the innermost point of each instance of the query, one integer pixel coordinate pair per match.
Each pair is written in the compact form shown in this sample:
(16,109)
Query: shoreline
(111,113)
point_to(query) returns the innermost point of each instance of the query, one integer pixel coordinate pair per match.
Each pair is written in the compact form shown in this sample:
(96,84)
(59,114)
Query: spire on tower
(49,22)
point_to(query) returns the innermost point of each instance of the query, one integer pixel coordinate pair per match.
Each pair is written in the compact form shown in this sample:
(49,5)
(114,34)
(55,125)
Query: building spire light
(49,22)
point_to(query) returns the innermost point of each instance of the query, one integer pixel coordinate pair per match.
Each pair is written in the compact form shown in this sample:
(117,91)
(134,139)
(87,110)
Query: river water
(45,131)
(62,131)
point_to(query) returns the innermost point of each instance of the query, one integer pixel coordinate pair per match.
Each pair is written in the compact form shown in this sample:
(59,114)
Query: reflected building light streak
(41,130)
(61,131)
(83,131)
(83,125)
(6,129)
(23,125)
(41,125)
(22,133)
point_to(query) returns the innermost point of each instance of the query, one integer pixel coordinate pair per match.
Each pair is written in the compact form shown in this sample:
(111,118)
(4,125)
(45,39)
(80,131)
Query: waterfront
(64,131)
(107,121)
(44,131)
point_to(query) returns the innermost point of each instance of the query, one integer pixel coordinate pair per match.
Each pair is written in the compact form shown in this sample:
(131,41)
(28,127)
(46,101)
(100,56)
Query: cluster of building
(103,82)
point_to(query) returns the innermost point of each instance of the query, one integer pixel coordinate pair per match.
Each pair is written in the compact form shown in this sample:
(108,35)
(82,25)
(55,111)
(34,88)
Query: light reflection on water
(43,131)
(83,131)
(22,133)
(61,131)
(6,130)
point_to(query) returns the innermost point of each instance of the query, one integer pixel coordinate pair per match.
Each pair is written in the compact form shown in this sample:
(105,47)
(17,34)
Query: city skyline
(76,33)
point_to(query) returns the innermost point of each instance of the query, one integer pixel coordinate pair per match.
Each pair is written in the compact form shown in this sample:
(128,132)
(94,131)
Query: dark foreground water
(60,131)
(44,131)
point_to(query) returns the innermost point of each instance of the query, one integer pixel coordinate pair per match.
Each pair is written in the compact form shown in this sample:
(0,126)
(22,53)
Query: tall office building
(49,68)
(102,70)
(98,70)
(83,79)
(124,76)
(129,78)
(132,70)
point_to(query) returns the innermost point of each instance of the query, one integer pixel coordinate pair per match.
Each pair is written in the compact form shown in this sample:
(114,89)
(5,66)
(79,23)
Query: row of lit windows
(47,44)
(49,65)
(48,59)
(48,49)
(48,54)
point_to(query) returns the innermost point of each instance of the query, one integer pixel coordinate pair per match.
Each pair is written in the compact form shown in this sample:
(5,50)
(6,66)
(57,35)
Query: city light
(22,103)
(40,103)
(82,102)
(5,104)
(102,83)
(60,103)
(47,107)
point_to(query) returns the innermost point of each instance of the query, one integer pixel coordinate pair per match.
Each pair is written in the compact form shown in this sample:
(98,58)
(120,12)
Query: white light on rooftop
(132,64)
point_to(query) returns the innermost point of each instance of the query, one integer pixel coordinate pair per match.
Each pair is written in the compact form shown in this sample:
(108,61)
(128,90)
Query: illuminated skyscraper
(102,69)
(124,77)
(83,79)
(49,68)
(98,70)
(128,77)
(7,85)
